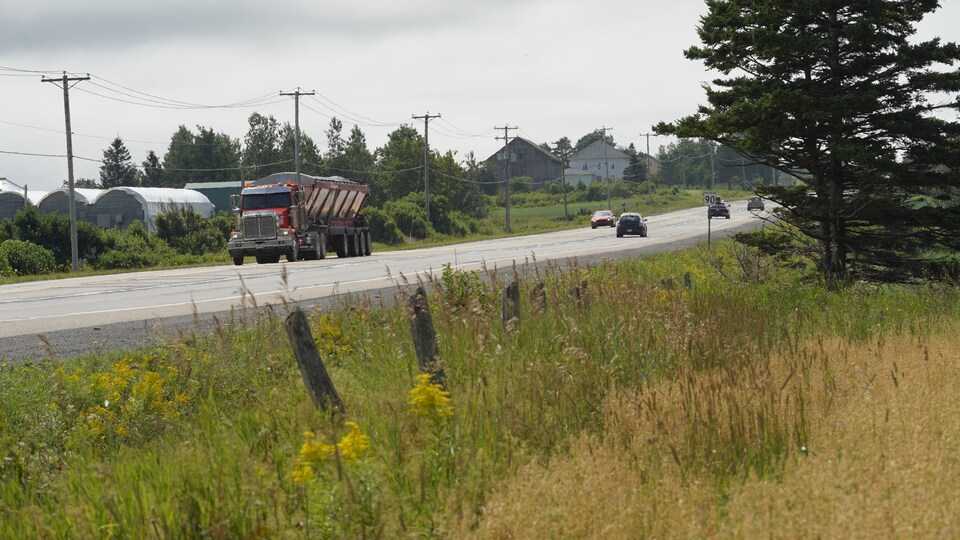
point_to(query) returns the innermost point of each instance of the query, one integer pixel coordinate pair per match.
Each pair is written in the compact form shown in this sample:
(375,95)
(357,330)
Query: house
(526,158)
(600,159)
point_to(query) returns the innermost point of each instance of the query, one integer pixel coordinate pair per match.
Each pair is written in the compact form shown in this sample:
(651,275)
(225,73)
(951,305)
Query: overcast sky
(554,68)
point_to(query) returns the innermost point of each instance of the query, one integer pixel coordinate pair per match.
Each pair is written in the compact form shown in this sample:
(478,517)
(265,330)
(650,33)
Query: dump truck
(299,217)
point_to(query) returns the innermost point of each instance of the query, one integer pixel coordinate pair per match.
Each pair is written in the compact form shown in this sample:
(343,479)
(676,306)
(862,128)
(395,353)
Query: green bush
(52,231)
(410,217)
(382,227)
(461,224)
(190,233)
(134,247)
(26,258)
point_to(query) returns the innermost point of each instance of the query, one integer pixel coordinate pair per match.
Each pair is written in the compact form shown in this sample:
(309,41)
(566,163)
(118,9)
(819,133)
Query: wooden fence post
(425,338)
(314,374)
(510,307)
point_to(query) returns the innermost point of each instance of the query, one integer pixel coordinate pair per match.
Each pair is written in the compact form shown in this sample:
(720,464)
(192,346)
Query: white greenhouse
(121,206)
(58,202)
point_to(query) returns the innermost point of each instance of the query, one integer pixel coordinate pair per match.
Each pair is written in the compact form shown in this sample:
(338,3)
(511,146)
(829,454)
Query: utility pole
(713,174)
(649,175)
(296,123)
(72,203)
(426,157)
(683,173)
(606,164)
(506,173)
(743,173)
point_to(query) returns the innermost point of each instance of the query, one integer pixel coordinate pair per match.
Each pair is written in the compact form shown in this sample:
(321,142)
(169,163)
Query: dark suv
(631,223)
(755,203)
(720,209)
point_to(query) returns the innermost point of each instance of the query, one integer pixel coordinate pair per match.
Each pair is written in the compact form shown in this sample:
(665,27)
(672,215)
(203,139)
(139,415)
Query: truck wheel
(238,261)
(263,259)
(367,244)
(341,242)
(322,247)
(293,254)
(353,245)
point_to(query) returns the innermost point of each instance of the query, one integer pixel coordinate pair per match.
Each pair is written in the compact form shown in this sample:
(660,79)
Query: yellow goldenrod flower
(429,400)
(302,473)
(354,444)
(314,451)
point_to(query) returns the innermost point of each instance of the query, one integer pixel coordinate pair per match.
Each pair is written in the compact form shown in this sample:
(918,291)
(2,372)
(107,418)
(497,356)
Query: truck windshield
(257,201)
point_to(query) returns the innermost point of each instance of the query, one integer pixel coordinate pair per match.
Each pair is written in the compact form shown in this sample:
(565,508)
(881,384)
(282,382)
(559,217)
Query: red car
(602,217)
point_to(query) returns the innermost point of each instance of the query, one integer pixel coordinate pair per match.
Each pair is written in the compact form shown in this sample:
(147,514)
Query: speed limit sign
(709,197)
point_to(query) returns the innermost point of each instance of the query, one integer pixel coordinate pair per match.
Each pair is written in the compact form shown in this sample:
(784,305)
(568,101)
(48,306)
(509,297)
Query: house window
(614,166)
(598,165)
(584,166)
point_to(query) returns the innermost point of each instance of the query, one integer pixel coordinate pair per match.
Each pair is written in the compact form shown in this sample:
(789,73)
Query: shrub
(409,217)
(382,227)
(133,248)
(52,231)
(190,233)
(461,224)
(26,258)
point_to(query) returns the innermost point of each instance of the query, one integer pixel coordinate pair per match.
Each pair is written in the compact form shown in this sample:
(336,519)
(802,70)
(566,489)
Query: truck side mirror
(235,202)
(294,217)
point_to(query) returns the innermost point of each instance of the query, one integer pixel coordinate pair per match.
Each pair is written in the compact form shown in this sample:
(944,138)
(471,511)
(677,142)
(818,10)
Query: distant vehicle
(755,203)
(602,217)
(720,209)
(631,223)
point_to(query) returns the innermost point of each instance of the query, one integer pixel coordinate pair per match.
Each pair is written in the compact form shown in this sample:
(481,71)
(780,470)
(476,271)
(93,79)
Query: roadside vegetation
(692,394)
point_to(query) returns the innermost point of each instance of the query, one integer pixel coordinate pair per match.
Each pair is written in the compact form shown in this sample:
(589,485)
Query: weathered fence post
(314,374)
(425,338)
(510,307)
(538,298)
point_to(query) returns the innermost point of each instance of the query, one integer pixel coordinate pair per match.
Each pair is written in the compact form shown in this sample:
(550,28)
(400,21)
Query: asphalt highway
(68,317)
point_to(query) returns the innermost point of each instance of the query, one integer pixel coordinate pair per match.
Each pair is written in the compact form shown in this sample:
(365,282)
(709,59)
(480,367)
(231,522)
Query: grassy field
(751,403)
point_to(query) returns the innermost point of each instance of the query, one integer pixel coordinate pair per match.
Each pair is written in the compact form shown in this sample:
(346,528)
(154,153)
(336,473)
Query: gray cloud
(107,25)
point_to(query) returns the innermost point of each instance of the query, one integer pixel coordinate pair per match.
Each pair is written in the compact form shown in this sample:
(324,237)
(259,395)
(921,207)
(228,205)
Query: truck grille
(259,226)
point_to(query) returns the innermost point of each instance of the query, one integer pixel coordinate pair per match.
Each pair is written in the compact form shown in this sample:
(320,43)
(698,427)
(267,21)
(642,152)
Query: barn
(121,206)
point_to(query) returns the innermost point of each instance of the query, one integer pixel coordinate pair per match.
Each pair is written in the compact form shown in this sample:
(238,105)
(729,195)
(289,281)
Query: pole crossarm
(296,122)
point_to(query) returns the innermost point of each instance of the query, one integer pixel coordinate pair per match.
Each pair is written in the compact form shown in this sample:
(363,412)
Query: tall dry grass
(879,453)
